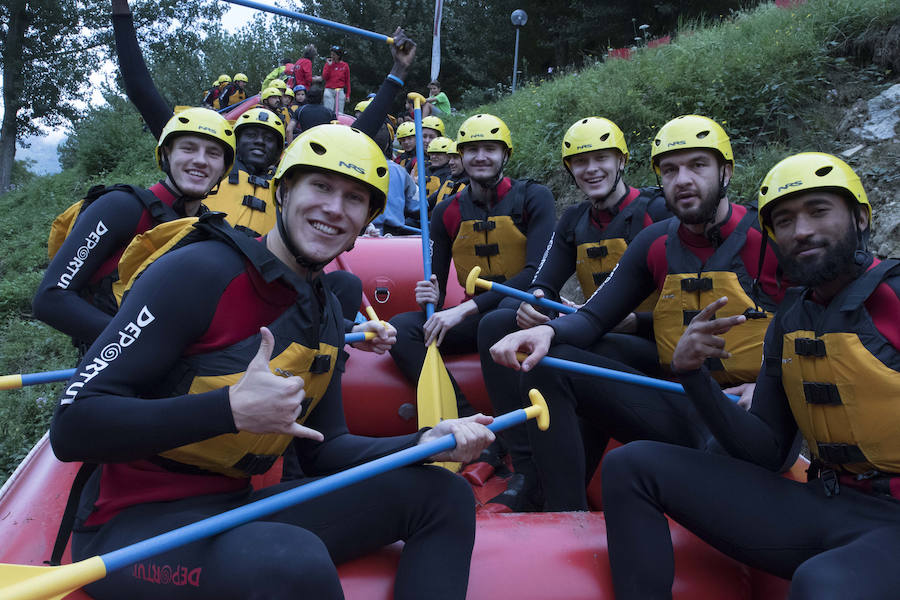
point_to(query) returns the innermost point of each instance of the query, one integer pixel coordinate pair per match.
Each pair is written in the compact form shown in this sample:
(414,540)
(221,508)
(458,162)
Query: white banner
(436,42)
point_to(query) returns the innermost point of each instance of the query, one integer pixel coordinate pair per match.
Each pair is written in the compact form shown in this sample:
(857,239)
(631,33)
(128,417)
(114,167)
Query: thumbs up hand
(262,402)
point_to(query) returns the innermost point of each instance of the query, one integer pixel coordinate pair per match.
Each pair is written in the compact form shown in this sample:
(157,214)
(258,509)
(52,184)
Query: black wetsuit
(625,412)
(409,351)
(555,268)
(123,417)
(841,545)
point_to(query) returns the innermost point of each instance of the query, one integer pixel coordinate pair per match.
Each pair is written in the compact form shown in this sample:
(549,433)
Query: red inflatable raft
(519,556)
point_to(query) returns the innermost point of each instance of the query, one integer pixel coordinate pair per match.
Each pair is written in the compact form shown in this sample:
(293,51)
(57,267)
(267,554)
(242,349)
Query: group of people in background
(679,280)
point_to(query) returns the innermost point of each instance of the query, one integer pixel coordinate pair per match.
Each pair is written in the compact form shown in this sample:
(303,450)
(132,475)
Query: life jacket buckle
(484,250)
(597,252)
(254,203)
(830,483)
(258,181)
(752,313)
(320,364)
(484,225)
(599,278)
(696,284)
(809,347)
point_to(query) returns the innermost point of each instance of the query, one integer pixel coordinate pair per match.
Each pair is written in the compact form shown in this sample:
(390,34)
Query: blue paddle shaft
(261,508)
(47,377)
(66,374)
(532,299)
(423,205)
(613,375)
(311,19)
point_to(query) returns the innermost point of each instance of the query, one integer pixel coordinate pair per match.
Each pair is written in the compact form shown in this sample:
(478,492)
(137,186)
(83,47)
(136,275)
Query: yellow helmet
(287,92)
(687,132)
(406,129)
(278,84)
(224,79)
(361,106)
(484,127)
(269,92)
(343,150)
(240,77)
(809,171)
(262,117)
(198,121)
(451,148)
(432,122)
(592,133)
(440,145)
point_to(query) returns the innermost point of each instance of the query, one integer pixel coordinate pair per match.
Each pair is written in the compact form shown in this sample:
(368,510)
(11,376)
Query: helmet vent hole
(824,171)
(462,133)
(584,122)
(764,190)
(568,145)
(604,137)
(657,141)
(184,119)
(495,130)
(228,132)
(702,134)
(318,148)
(381,171)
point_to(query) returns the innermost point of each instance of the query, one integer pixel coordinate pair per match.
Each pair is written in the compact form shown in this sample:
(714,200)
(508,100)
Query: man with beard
(832,356)
(497,223)
(710,249)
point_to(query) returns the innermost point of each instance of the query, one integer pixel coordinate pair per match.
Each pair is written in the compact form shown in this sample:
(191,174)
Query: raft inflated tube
(11,382)
(473,280)
(311,19)
(613,375)
(34,583)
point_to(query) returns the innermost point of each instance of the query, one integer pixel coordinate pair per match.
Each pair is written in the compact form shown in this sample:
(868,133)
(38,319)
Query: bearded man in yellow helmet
(238,357)
(497,223)
(195,149)
(711,248)
(832,357)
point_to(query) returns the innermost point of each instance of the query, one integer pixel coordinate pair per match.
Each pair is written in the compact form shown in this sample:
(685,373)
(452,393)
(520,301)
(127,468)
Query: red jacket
(303,72)
(337,75)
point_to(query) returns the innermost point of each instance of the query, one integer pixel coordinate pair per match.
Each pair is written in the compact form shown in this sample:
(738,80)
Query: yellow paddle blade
(435,397)
(19,582)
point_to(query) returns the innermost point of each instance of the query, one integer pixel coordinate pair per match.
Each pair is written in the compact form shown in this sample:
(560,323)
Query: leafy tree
(50,47)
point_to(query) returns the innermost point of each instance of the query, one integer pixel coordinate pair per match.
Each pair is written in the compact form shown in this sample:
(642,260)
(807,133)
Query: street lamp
(519,17)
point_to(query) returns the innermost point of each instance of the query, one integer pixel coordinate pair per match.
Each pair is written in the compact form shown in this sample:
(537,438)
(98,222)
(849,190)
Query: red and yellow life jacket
(448,189)
(841,376)
(308,338)
(247,200)
(493,239)
(598,252)
(690,286)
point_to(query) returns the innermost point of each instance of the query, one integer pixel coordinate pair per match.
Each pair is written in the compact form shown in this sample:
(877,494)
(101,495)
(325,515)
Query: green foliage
(762,74)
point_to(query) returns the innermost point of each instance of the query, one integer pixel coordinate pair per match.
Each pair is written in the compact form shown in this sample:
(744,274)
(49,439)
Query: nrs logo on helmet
(789,185)
(359,170)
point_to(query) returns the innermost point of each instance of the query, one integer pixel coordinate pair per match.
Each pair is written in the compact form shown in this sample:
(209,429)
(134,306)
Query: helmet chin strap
(714,233)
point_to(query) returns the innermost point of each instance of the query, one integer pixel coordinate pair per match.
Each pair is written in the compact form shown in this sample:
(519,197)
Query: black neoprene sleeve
(138,84)
(558,262)
(102,229)
(629,283)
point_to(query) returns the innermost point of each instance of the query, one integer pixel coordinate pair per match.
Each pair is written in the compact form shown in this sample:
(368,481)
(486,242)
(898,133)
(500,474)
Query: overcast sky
(43,147)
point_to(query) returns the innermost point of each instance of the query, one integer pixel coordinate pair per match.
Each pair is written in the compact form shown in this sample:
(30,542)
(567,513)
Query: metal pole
(516,61)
